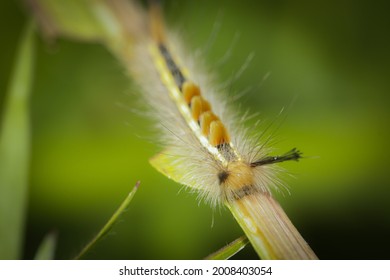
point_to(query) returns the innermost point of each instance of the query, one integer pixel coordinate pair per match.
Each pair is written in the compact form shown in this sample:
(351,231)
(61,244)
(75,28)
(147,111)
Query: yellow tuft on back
(205,120)
(218,133)
(189,91)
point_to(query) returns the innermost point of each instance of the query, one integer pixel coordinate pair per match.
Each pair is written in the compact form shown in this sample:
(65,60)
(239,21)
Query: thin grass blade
(229,250)
(110,223)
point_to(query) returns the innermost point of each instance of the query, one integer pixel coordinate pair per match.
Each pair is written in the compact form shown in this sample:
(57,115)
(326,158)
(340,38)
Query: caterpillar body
(206,147)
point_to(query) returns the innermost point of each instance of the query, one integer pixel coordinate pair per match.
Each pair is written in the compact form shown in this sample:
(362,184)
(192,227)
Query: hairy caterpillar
(206,147)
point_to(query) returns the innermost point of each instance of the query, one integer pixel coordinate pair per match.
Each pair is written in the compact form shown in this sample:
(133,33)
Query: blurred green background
(329,64)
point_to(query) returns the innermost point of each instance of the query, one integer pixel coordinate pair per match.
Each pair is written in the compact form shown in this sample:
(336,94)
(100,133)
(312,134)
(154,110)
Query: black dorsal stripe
(227,151)
(173,68)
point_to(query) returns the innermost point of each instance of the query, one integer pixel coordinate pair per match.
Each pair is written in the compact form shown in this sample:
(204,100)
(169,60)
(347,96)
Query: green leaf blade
(110,223)
(229,250)
(15,150)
